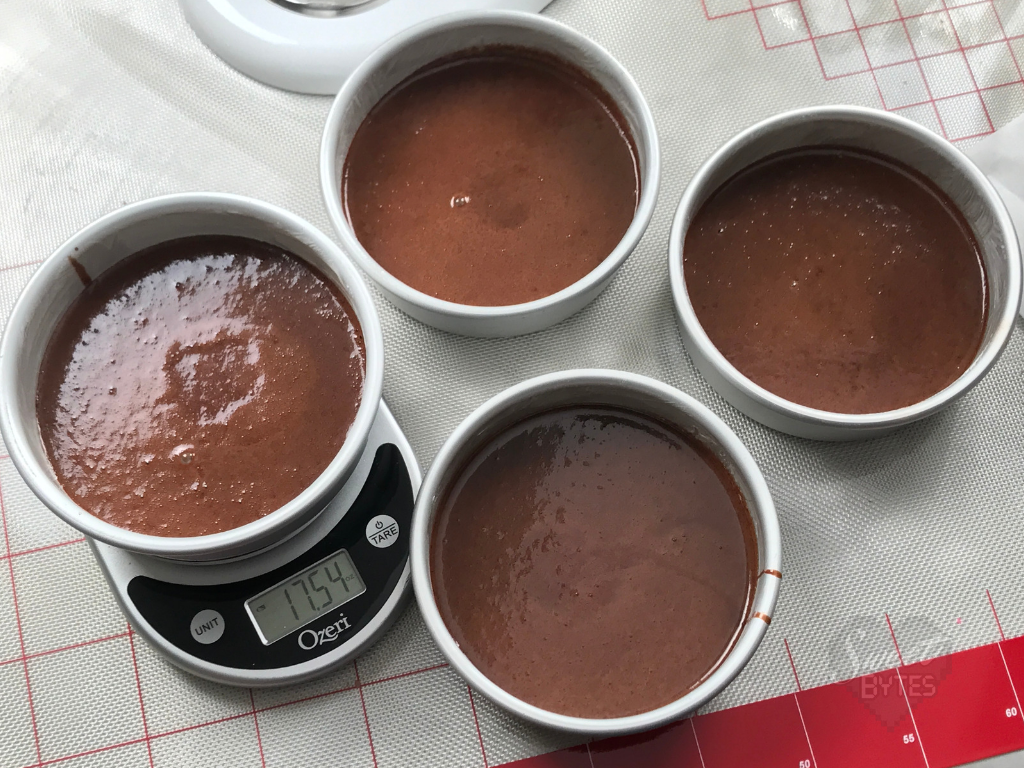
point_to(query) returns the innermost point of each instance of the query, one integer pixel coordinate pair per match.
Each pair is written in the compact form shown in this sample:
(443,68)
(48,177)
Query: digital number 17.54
(316,588)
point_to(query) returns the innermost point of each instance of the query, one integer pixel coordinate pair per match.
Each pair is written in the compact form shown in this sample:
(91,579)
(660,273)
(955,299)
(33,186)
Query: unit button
(207,626)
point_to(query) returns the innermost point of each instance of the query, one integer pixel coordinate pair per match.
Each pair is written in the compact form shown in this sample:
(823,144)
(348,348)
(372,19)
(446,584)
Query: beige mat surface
(103,103)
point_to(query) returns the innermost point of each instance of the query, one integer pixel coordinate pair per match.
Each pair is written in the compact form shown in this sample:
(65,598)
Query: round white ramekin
(906,142)
(110,239)
(409,52)
(640,395)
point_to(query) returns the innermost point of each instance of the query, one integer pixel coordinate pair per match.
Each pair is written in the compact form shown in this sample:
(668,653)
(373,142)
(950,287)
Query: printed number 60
(805,764)
(1011,712)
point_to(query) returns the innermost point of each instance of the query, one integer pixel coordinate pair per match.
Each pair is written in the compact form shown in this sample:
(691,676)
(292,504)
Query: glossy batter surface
(199,385)
(594,563)
(492,179)
(837,280)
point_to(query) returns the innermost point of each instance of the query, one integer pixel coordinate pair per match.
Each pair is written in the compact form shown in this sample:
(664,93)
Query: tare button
(382,531)
(207,626)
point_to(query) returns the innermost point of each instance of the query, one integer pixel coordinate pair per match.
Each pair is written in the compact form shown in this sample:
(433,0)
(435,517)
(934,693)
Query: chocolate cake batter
(594,563)
(494,178)
(837,280)
(199,385)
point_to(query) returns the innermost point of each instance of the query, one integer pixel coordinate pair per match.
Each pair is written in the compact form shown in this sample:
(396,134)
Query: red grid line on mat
(696,741)
(403,674)
(476,722)
(813,39)
(757,21)
(253,712)
(29,656)
(138,688)
(21,636)
(353,687)
(41,549)
(864,48)
(814,43)
(999,626)
(792,665)
(892,634)
(1002,656)
(938,99)
(765,6)
(88,752)
(366,716)
(872,25)
(967,63)
(360,684)
(1002,28)
(796,699)
(147,737)
(903,690)
(9,267)
(842,726)
(256,723)
(917,57)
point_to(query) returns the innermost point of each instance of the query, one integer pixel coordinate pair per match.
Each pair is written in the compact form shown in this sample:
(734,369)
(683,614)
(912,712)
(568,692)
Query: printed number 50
(1011,712)
(908,738)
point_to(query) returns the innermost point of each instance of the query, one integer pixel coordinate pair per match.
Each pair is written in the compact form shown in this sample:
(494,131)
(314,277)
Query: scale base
(197,614)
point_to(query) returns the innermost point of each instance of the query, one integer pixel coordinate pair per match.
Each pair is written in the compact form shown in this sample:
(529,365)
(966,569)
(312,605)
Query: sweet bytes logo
(865,645)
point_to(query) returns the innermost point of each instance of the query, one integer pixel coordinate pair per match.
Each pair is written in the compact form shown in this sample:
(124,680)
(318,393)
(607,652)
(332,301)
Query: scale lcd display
(298,600)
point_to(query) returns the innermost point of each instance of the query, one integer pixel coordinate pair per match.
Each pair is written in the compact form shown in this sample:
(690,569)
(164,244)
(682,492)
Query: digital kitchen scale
(311,46)
(293,611)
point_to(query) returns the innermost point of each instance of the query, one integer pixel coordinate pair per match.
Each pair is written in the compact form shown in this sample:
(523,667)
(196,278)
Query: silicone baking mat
(895,551)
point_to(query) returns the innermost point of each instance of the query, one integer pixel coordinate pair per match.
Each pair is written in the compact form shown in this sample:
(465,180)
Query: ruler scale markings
(999,645)
(1020,712)
(912,720)
(671,746)
(964,706)
(855,722)
(904,691)
(807,736)
(767,733)
(697,742)
(799,711)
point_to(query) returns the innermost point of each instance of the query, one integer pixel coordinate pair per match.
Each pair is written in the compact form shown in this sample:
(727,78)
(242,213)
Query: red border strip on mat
(964,703)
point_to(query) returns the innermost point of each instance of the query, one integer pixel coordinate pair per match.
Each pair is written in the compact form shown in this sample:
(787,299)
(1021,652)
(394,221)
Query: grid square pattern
(285,733)
(993,65)
(436,715)
(939,62)
(887,44)
(196,747)
(128,756)
(17,745)
(69,687)
(34,527)
(1004,103)
(782,24)
(902,85)
(85,610)
(10,644)
(177,701)
(48,714)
